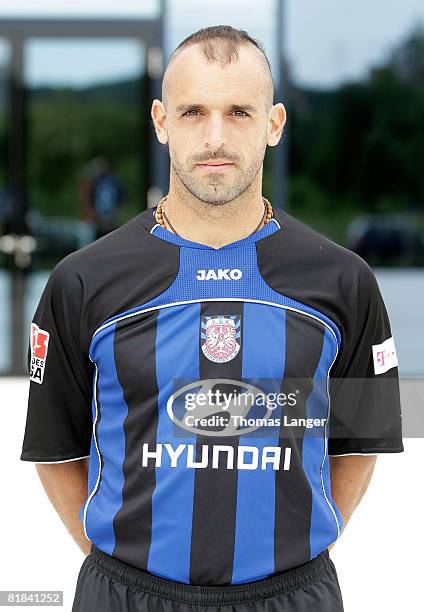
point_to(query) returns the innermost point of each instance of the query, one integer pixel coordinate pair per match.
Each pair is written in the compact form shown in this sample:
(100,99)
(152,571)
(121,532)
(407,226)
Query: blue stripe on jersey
(324,526)
(93,463)
(112,411)
(172,501)
(263,357)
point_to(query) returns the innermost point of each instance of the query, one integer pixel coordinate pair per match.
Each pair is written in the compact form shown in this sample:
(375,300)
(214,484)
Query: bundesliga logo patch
(39,344)
(384,356)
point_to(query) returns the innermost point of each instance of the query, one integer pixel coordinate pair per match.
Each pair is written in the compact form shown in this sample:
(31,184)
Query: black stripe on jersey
(213,536)
(136,369)
(293,495)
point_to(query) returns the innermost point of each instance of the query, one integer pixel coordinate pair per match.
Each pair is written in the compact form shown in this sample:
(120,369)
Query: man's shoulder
(117,272)
(306,249)
(304,264)
(130,242)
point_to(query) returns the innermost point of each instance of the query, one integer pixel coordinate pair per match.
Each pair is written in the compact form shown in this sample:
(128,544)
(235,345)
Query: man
(102,194)
(204,334)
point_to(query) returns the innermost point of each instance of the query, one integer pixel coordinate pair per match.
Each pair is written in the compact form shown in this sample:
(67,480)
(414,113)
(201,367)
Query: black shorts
(106,584)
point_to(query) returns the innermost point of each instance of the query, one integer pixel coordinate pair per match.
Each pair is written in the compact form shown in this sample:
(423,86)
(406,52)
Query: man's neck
(214,224)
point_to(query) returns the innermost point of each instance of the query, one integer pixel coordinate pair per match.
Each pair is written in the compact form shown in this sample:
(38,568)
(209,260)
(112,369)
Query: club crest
(220,337)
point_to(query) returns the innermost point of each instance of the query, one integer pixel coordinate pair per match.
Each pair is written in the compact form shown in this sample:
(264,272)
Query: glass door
(85,142)
(5,216)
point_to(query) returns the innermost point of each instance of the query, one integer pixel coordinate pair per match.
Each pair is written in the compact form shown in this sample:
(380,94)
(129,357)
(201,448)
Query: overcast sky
(326,41)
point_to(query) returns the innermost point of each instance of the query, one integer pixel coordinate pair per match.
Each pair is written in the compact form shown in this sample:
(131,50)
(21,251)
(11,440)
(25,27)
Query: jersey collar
(148,221)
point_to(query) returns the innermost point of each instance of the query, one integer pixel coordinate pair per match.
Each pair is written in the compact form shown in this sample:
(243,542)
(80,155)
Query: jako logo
(219,274)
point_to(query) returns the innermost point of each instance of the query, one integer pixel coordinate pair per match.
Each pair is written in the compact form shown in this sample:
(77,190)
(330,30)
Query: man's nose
(214,135)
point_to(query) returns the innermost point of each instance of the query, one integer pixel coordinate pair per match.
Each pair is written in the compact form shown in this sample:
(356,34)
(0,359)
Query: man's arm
(350,477)
(66,488)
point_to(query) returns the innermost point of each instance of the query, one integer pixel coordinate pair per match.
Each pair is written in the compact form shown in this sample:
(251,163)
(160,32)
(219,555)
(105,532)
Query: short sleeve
(365,408)
(59,422)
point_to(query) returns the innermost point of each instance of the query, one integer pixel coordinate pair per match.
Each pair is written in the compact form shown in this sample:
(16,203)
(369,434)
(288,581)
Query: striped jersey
(208,387)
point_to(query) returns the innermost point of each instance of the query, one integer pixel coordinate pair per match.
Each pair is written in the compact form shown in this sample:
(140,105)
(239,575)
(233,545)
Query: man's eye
(193,110)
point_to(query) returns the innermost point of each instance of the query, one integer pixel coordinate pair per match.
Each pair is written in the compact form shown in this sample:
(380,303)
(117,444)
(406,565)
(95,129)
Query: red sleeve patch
(39,345)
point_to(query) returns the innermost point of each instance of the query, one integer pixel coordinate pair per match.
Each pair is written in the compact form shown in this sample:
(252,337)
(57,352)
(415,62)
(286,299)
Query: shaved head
(220,44)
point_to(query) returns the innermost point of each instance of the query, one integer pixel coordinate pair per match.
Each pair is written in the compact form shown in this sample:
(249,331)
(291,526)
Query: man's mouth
(216,165)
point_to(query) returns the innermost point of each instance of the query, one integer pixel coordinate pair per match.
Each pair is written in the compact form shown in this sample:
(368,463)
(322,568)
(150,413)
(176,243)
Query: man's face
(216,114)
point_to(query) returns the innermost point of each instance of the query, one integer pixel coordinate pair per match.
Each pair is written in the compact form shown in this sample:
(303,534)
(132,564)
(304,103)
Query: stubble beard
(213,190)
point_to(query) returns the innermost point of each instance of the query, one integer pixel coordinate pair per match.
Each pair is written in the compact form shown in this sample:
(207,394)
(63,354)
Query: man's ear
(276,121)
(158,114)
